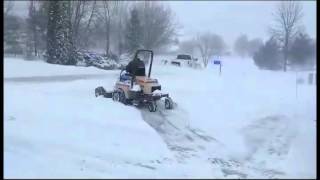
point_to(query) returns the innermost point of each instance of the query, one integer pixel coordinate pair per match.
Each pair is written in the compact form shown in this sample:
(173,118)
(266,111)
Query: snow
(67,123)
(136,87)
(16,67)
(158,92)
(259,125)
(244,96)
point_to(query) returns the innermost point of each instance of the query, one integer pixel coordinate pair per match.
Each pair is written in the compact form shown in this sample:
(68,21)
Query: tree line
(120,27)
(60,28)
(205,44)
(288,45)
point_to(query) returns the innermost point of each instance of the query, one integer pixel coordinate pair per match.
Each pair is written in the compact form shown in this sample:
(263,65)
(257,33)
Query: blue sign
(216,62)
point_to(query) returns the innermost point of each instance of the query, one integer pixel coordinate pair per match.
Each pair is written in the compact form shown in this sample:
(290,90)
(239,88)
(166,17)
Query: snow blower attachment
(135,88)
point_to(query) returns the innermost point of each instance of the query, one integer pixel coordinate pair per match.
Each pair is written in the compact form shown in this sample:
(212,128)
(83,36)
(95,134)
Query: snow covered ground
(14,67)
(246,123)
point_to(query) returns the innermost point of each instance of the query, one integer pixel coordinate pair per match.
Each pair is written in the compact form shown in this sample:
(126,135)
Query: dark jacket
(136,67)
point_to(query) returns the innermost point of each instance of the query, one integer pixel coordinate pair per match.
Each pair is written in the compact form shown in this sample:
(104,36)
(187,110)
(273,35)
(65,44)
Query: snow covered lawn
(256,115)
(16,67)
(57,130)
(245,123)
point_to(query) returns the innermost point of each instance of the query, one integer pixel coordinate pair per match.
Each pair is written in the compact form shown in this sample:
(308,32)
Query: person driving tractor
(136,67)
(135,88)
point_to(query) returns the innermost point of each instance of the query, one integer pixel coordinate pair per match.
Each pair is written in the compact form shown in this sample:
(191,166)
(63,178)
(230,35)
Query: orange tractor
(137,88)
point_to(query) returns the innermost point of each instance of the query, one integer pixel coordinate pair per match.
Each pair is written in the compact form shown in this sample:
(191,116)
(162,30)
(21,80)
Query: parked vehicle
(182,60)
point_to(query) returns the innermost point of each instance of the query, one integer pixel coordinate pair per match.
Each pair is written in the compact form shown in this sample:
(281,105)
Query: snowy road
(56,78)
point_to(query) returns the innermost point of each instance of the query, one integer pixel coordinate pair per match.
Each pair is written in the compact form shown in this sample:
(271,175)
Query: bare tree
(13,34)
(133,35)
(159,26)
(254,45)
(121,15)
(78,12)
(287,18)
(105,14)
(187,46)
(245,47)
(210,44)
(241,45)
(32,27)
(91,14)
(7,7)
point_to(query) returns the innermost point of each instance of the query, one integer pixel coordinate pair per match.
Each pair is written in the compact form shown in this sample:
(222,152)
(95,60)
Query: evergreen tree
(59,37)
(269,56)
(254,46)
(52,44)
(70,55)
(302,51)
(134,32)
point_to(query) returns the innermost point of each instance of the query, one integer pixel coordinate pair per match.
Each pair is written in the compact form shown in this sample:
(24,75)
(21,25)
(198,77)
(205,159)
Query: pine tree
(70,58)
(52,43)
(59,43)
(302,51)
(269,56)
(134,32)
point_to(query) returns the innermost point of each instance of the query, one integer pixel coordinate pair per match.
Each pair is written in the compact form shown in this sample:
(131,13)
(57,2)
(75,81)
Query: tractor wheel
(152,106)
(115,96)
(168,103)
(122,97)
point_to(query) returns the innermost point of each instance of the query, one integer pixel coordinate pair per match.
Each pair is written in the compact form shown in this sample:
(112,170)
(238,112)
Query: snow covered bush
(107,64)
(86,58)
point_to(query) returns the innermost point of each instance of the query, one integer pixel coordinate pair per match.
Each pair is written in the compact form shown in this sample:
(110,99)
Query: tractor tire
(115,96)
(119,96)
(152,106)
(122,97)
(168,103)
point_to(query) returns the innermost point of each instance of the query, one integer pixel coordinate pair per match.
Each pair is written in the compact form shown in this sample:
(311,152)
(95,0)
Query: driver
(136,67)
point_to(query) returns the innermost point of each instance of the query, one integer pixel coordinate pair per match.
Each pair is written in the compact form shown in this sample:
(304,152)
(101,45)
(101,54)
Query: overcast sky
(231,18)
(226,18)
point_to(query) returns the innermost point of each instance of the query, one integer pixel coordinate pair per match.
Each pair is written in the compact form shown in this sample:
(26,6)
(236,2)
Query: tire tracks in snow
(187,143)
(181,139)
(268,140)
